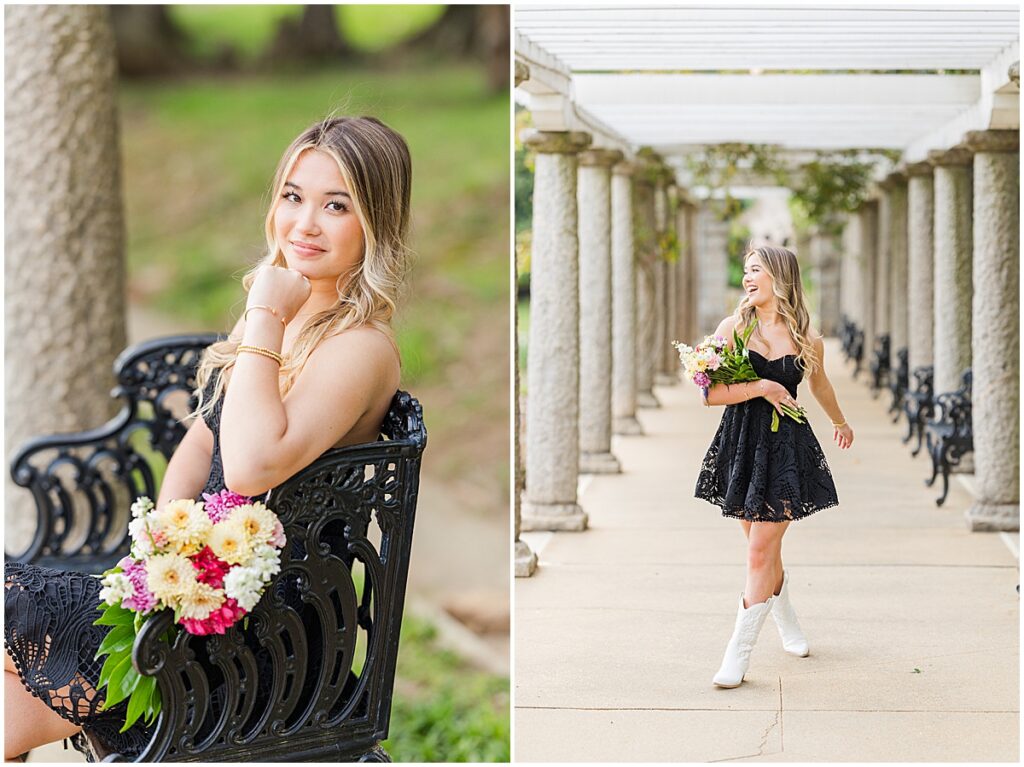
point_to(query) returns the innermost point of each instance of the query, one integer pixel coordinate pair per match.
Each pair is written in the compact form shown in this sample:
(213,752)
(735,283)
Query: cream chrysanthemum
(199,600)
(169,576)
(257,520)
(186,525)
(230,542)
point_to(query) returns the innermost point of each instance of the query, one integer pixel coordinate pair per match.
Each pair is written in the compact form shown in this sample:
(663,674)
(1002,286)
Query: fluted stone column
(896,192)
(713,275)
(525,559)
(867,218)
(553,379)
(920,264)
(953,246)
(646,290)
(624,325)
(995,400)
(595,204)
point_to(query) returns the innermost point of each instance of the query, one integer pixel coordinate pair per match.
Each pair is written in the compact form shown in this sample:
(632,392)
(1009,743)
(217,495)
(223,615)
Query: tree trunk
(148,43)
(313,38)
(64,263)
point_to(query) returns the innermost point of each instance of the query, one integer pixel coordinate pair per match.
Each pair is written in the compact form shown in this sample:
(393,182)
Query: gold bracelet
(270,309)
(263,352)
(839,425)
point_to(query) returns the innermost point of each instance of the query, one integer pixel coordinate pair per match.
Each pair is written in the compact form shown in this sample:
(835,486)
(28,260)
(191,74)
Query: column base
(627,425)
(553,516)
(993,517)
(599,463)
(647,399)
(526,560)
(666,379)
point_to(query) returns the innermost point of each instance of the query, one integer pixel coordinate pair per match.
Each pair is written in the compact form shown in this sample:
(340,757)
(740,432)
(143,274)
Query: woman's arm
(822,390)
(189,467)
(731,394)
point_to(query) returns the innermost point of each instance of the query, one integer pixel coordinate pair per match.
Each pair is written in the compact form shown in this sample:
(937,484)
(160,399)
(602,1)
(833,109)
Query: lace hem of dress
(788,514)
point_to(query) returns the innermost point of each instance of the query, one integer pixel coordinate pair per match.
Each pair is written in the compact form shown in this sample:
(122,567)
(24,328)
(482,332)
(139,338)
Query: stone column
(995,400)
(897,193)
(553,376)
(825,255)
(920,264)
(624,325)
(883,277)
(662,272)
(668,356)
(692,274)
(713,275)
(595,205)
(867,218)
(953,246)
(646,290)
(525,559)
(681,329)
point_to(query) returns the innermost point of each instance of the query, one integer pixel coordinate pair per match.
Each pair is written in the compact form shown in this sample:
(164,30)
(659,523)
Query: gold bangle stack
(271,309)
(262,352)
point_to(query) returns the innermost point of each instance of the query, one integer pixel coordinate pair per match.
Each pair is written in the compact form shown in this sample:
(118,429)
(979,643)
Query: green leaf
(775,420)
(117,640)
(114,615)
(108,668)
(115,684)
(139,702)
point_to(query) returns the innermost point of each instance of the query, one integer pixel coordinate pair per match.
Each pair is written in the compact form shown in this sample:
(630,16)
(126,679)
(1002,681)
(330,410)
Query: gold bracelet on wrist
(270,353)
(270,309)
(839,425)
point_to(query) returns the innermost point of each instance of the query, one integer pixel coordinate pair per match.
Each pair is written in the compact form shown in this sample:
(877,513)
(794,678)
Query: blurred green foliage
(366,28)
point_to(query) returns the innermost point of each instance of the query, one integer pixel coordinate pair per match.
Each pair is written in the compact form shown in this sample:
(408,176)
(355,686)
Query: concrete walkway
(912,620)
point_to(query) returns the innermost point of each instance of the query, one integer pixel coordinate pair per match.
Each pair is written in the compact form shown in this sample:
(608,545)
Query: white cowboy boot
(793,640)
(737,653)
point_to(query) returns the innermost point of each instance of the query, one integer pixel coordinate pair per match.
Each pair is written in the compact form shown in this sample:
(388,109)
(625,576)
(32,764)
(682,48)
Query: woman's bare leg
(764,560)
(28,722)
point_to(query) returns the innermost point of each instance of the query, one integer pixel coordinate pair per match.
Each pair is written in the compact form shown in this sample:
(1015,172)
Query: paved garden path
(912,620)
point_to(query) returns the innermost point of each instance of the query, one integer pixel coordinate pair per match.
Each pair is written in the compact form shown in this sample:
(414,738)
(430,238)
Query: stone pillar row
(941,248)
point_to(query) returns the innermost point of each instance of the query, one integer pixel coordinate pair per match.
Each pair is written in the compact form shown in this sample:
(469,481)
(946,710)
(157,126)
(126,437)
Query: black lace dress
(758,475)
(48,631)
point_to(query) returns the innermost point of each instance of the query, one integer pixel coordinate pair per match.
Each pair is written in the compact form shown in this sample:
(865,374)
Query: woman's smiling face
(757,283)
(315,224)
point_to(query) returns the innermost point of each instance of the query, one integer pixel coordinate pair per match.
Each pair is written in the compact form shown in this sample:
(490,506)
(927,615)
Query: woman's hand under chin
(285,290)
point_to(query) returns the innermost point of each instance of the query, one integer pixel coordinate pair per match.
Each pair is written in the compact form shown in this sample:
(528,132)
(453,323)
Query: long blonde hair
(375,164)
(784,269)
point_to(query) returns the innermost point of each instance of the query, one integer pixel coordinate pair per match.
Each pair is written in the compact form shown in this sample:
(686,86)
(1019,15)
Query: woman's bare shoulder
(726,327)
(368,347)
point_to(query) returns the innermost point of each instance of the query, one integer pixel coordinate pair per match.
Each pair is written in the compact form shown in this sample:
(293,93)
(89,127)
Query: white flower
(230,542)
(169,576)
(116,587)
(266,561)
(199,600)
(141,507)
(257,520)
(243,584)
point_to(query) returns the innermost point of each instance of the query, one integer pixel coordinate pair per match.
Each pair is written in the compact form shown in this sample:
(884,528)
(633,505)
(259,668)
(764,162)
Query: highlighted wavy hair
(374,162)
(784,269)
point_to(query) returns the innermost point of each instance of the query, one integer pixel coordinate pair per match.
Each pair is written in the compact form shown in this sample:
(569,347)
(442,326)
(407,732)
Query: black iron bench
(949,433)
(918,405)
(349,522)
(846,334)
(879,364)
(899,383)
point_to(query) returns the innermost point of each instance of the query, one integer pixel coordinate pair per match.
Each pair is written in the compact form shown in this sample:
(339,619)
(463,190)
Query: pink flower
(278,539)
(211,569)
(702,380)
(142,599)
(219,504)
(219,621)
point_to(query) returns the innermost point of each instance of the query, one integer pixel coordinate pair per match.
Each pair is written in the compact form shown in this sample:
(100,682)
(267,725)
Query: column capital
(922,168)
(624,168)
(600,158)
(992,140)
(522,72)
(555,142)
(957,155)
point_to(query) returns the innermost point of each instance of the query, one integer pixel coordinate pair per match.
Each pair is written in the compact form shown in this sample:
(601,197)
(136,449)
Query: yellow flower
(199,600)
(186,525)
(169,575)
(230,542)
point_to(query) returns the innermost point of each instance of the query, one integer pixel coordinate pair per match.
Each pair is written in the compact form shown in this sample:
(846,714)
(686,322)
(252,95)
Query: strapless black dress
(758,475)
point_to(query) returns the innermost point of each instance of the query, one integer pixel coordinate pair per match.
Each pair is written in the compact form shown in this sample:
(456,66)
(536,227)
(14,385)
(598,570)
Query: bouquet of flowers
(208,561)
(714,362)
